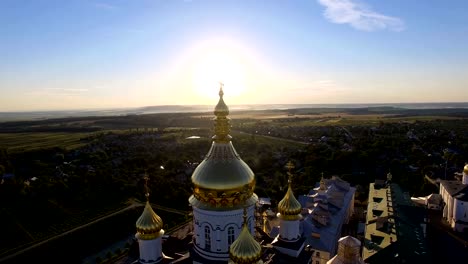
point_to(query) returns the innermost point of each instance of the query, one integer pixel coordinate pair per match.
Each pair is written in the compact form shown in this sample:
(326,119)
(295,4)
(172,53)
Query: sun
(215,64)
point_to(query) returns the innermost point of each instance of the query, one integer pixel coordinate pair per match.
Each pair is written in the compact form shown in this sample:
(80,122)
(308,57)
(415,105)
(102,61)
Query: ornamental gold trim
(224,198)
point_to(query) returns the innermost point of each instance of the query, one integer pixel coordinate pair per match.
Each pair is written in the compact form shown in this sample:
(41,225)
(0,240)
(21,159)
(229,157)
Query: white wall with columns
(215,226)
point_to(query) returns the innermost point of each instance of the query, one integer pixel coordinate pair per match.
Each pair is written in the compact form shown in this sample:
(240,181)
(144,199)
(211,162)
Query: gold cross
(146,178)
(290,167)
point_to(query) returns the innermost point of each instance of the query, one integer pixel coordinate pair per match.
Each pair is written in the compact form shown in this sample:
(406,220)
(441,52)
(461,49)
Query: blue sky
(82,54)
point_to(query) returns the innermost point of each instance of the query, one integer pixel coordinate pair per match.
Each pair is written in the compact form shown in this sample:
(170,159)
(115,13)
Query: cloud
(359,16)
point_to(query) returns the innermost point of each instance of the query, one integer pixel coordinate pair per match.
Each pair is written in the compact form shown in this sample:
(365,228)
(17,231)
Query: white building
(455,197)
(223,186)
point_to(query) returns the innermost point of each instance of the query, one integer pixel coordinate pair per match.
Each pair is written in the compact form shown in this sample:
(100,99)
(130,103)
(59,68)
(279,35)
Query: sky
(94,54)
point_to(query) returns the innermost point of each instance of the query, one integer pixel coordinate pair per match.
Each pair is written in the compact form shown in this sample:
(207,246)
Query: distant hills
(41,115)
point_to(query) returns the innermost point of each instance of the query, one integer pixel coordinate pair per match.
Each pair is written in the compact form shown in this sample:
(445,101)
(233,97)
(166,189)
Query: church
(455,196)
(224,204)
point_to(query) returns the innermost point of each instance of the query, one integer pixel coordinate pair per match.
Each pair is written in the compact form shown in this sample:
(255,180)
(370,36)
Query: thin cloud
(359,16)
(68,90)
(57,92)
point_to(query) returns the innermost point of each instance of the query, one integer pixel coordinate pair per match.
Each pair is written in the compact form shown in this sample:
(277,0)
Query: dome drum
(289,217)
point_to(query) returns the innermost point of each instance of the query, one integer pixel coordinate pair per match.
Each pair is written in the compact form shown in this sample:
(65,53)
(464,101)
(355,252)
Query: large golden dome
(222,180)
(289,208)
(465,170)
(245,249)
(149,225)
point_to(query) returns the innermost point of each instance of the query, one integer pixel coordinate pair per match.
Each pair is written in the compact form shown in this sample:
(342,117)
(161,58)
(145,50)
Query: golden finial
(221,93)
(322,183)
(222,126)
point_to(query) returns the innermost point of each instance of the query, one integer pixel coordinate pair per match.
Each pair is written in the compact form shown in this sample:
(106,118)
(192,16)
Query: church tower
(245,250)
(223,185)
(289,240)
(149,233)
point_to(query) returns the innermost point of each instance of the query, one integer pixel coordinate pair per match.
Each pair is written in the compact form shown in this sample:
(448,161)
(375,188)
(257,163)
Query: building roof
(394,229)
(324,237)
(456,189)
(348,251)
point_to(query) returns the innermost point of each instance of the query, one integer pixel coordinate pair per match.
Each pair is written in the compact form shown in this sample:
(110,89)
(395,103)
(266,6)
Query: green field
(16,142)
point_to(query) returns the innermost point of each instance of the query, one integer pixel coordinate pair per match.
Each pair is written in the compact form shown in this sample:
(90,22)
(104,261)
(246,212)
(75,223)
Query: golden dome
(465,170)
(149,225)
(289,208)
(222,180)
(245,249)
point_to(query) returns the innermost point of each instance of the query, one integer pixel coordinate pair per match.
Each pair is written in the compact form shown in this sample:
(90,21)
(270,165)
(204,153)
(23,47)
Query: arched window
(230,235)
(207,238)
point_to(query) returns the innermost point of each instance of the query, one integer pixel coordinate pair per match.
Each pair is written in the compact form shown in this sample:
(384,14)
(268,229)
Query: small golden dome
(149,225)
(222,180)
(465,170)
(289,208)
(245,249)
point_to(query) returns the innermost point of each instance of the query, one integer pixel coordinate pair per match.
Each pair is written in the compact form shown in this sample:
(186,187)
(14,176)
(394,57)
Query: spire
(222,122)
(289,207)
(245,249)
(149,225)
(323,187)
(265,223)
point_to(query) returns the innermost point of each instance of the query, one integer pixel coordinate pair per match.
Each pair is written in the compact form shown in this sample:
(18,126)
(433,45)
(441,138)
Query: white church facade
(455,196)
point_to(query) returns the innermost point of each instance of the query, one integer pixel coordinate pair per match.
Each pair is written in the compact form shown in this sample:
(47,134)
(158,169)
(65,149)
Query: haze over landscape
(59,55)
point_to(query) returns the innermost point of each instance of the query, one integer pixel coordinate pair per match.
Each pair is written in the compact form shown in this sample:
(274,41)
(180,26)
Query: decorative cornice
(224,198)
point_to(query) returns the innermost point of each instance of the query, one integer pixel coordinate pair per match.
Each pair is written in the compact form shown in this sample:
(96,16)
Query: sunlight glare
(218,64)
